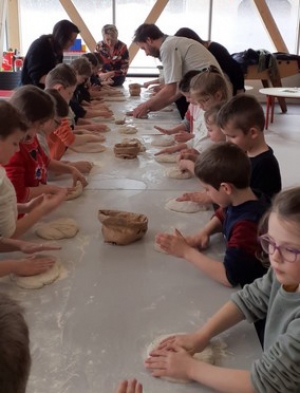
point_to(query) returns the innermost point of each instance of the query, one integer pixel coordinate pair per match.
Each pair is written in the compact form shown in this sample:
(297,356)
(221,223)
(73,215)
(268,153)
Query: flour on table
(211,354)
(90,147)
(115,98)
(176,173)
(162,140)
(78,190)
(63,228)
(36,282)
(166,158)
(127,129)
(185,206)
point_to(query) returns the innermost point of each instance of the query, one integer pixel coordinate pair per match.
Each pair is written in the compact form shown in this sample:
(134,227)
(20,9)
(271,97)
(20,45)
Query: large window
(236,24)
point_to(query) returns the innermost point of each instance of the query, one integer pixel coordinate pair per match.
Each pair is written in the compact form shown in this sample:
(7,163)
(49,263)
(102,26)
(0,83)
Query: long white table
(91,329)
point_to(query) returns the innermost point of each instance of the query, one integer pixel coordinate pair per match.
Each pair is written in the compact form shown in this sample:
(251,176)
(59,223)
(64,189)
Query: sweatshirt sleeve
(253,299)
(64,133)
(278,369)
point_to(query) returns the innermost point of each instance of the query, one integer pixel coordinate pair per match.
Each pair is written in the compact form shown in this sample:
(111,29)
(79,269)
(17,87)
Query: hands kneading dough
(78,190)
(63,228)
(38,281)
(211,354)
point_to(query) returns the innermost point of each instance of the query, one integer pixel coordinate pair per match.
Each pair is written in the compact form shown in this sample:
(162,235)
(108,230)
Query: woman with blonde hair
(113,54)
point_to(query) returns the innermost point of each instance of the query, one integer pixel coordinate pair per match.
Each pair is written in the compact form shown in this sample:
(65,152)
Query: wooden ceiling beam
(76,18)
(152,17)
(270,25)
(13,25)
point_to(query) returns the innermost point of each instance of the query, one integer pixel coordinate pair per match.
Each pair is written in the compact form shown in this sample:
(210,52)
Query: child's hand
(163,130)
(82,166)
(130,387)
(33,266)
(188,342)
(31,248)
(170,364)
(197,197)
(77,176)
(51,201)
(188,154)
(183,137)
(200,241)
(173,244)
(98,127)
(24,208)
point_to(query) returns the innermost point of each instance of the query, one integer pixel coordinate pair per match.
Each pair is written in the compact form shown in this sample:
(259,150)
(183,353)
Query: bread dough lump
(210,354)
(78,190)
(166,158)
(185,206)
(162,140)
(90,147)
(63,228)
(176,173)
(38,281)
(127,129)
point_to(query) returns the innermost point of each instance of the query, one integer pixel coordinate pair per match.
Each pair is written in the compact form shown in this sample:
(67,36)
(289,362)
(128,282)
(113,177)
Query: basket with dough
(134,89)
(120,227)
(127,150)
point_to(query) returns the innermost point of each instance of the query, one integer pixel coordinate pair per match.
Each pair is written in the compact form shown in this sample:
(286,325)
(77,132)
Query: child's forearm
(60,167)
(213,226)
(27,221)
(226,317)
(221,379)
(214,269)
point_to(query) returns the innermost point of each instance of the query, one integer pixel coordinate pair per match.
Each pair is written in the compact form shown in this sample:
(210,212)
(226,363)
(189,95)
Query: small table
(275,92)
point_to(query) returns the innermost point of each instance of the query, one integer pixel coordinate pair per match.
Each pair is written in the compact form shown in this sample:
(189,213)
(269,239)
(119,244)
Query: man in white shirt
(178,56)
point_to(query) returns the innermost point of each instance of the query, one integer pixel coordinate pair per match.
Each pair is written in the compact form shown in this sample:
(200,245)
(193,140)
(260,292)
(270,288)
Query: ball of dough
(176,173)
(78,190)
(185,206)
(38,281)
(208,355)
(63,228)
(162,141)
(127,129)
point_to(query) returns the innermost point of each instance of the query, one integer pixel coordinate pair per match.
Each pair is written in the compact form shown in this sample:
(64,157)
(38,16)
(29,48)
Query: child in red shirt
(28,168)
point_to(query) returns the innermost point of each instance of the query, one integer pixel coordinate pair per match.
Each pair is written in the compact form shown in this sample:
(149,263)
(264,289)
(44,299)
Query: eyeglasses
(287,253)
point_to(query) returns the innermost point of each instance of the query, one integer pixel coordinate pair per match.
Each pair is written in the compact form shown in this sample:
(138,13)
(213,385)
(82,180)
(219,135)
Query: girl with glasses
(275,296)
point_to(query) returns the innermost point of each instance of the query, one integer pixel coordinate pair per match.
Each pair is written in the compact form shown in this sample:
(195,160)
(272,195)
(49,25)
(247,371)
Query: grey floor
(283,136)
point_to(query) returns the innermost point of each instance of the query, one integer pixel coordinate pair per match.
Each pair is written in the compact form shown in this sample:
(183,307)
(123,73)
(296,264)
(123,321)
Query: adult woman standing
(229,66)
(46,52)
(113,53)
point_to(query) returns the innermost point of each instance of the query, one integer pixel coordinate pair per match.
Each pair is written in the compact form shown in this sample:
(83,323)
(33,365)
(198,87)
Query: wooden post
(76,18)
(3,12)
(270,25)
(152,17)
(13,25)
